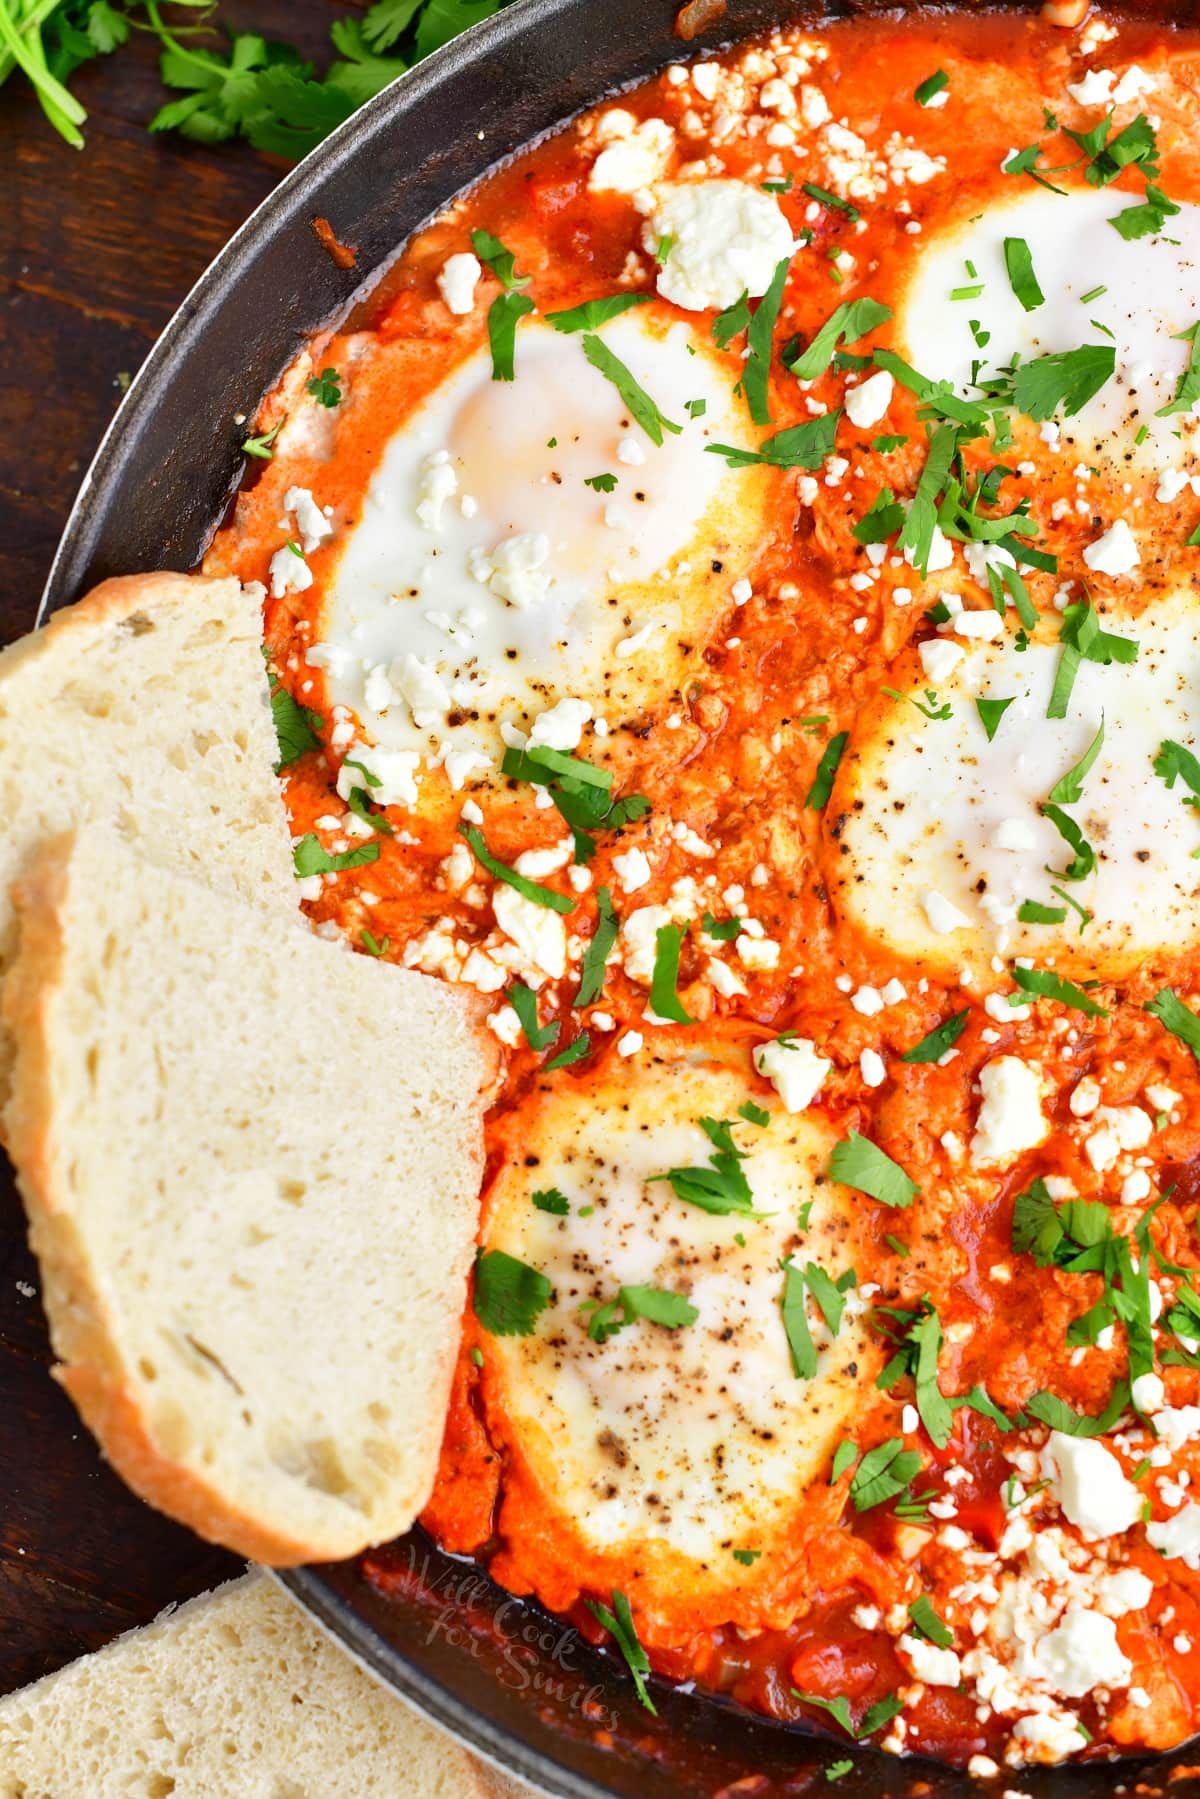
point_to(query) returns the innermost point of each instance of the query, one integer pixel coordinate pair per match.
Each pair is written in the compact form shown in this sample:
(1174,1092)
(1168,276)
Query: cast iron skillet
(527,1693)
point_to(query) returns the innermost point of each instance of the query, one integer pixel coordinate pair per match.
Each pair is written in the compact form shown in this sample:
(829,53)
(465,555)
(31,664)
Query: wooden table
(97,247)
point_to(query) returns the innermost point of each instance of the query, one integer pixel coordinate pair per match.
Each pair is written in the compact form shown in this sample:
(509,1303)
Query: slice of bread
(146,704)
(251,1161)
(234,1696)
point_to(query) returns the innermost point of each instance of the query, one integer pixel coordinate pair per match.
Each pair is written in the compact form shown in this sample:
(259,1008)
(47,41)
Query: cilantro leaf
(524,1004)
(550,1199)
(642,408)
(1018,261)
(721,1188)
(295,726)
(918,1338)
(671,1310)
(759,337)
(801,446)
(574,1052)
(1068,790)
(883,1473)
(372,947)
(1047,1408)
(499,260)
(664,997)
(619,1622)
(817,797)
(530,890)
(1043,983)
(1188,391)
(325,388)
(843,1455)
(1148,219)
(1177,1018)
(308,857)
(503,313)
(935,1043)
(509,1295)
(1034,912)
(732,320)
(991,712)
(1084,859)
(801,1347)
(860,1163)
(926,1621)
(1064,379)
(1136,144)
(722,930)
(599,949)
(846,324)
(591,314)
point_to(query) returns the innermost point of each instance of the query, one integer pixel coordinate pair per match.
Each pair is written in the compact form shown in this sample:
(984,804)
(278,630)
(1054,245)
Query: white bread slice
(234,1696)
(146,704)
(251,1162)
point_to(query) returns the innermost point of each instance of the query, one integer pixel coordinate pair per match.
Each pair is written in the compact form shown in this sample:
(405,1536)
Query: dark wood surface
(97,248)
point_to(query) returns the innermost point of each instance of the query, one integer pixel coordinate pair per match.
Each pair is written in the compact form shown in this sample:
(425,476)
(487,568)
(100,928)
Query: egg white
(923,806)
(1152,292)
(628,582)
(679,1445)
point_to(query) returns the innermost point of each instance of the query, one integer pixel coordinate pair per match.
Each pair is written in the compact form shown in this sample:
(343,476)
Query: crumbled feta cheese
(538,932)
(1091,1486)
(560,727)
(1115,553)
(867,403)
(311,522)
(439,483)
(936,1667)
(1082,1653)
(632,163)
(393,775)
(632,870)
(1015,834)
(506,1025)
(1120,1128)
(872,1068)
(630,1043)
(1178,1538)
(794,1069)
(757,953)
(1010,1117)
(726,238)
(289,573)
(515,569)
(1148,1393)
(457,280)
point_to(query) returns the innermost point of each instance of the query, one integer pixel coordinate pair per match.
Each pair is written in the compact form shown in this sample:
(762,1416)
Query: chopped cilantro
(1034,912)
(926,1621)
(530,890)
(1177,1018)
(846,324)
(503,314)
(883,1473)
(499,260)
(1043,983)
(601,483)
(754,1114)
(800,446)
(1018,260)
(1084,859)
(1188,390)
(372,947)
(747,1557)
(824,198)
(260,447)
(935,1043)
(509,1295)
(991,712)
(642,408)
(308,857)
(860,1163)
(574,1052)
(325,388)
(593,313)
(599,949)
(818,794)
(845,1453)
(1148,219)
(801,1347)
(524,1004)
(732,321)
(620,1623)
(721,930)
(550,1199)
(721,1188)
(664,997)
(836,1770)
(295,726)
(759,338)
(1068,790)
(1063,380)
(671,1310)
(917,1335)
